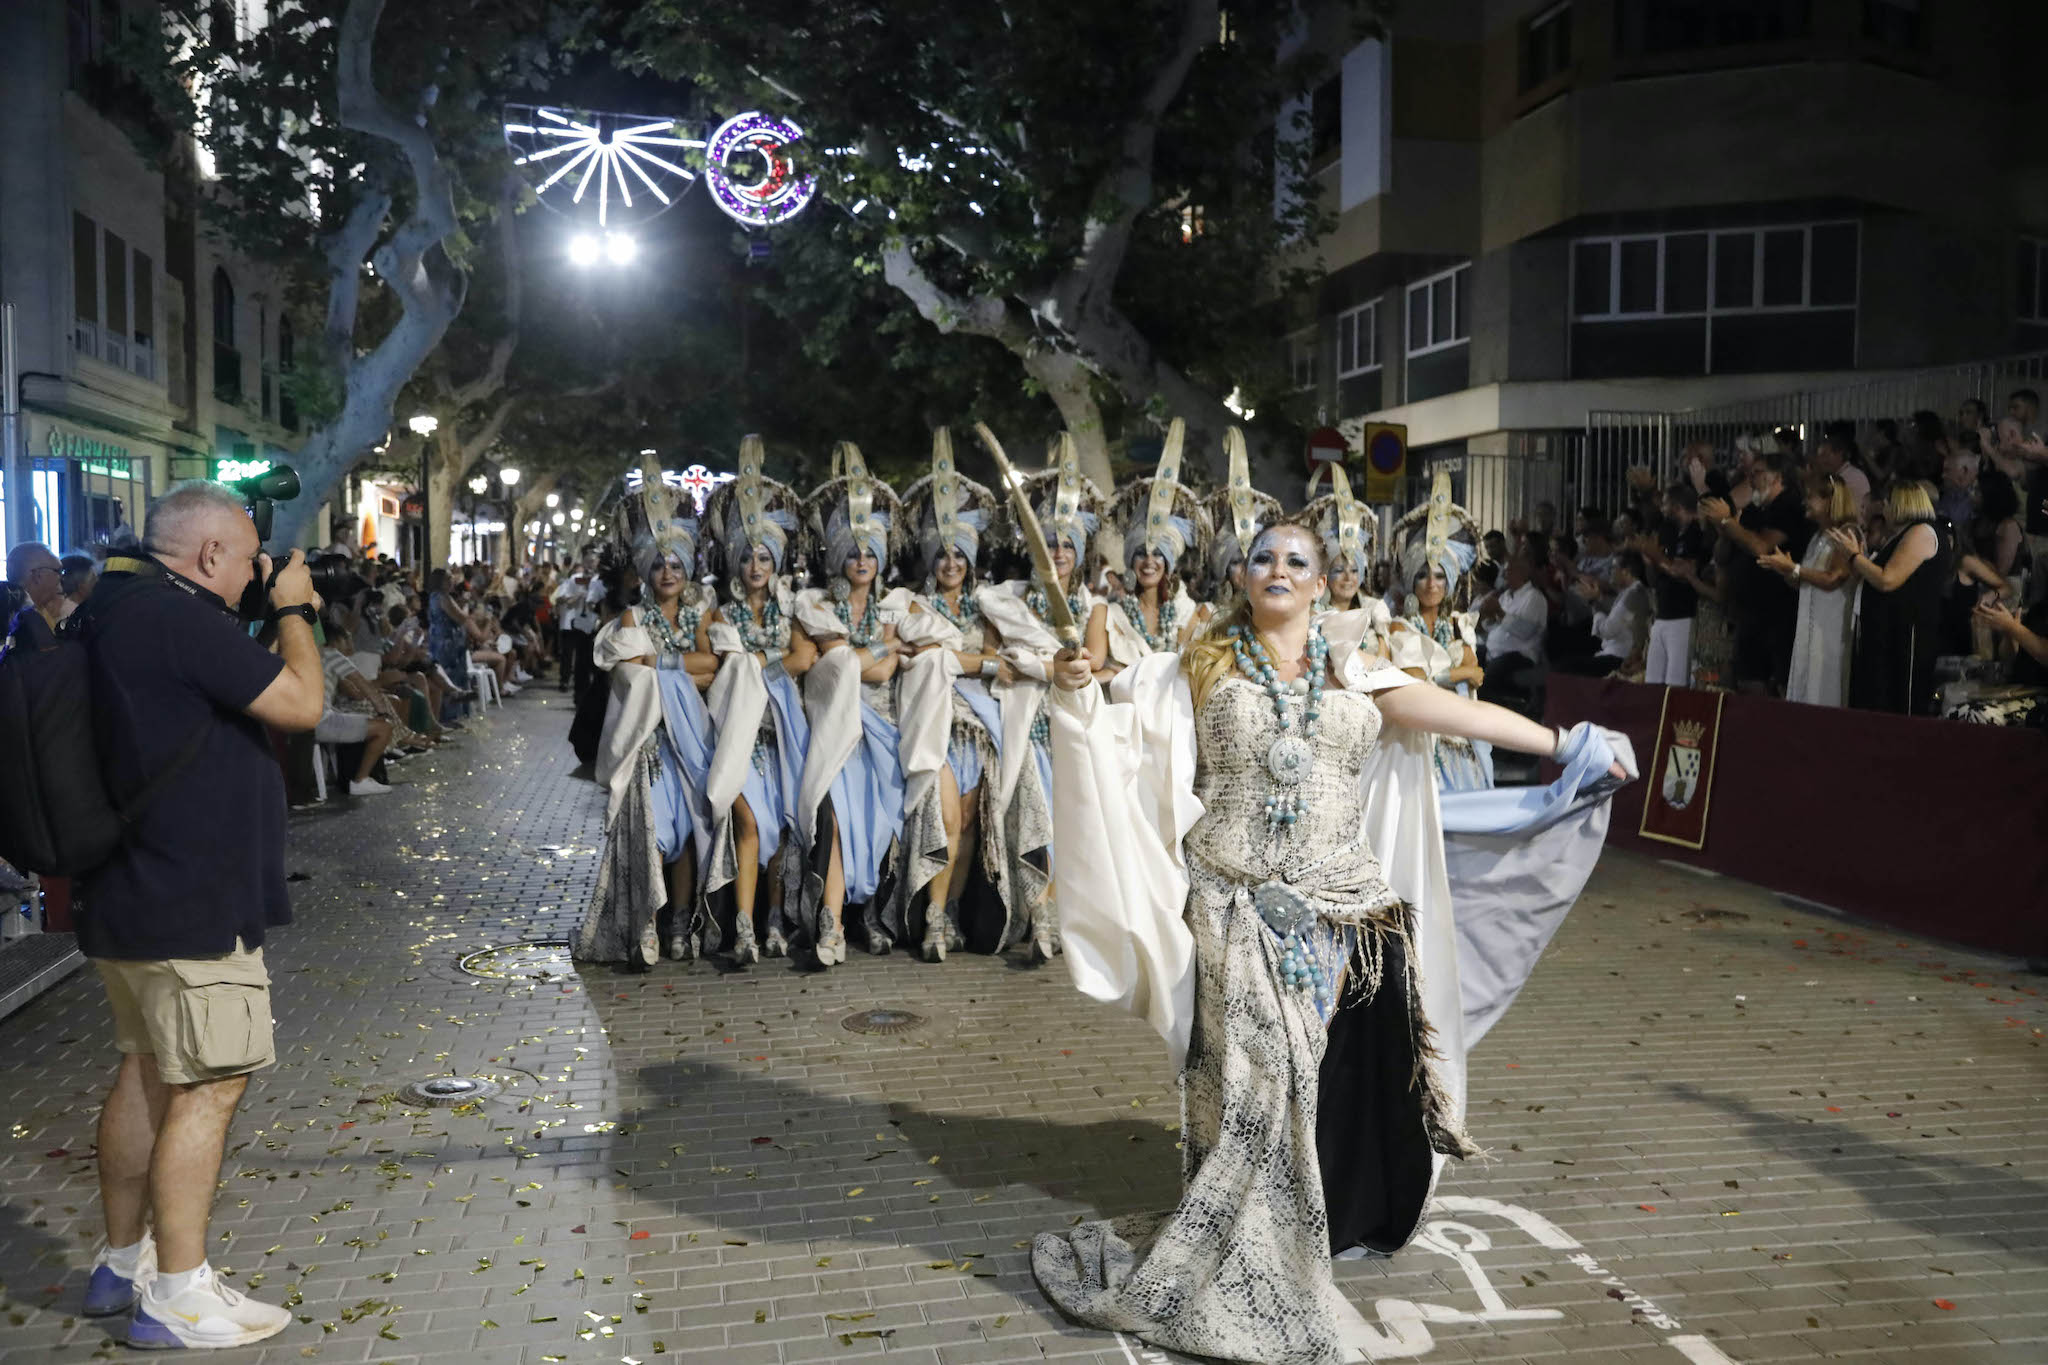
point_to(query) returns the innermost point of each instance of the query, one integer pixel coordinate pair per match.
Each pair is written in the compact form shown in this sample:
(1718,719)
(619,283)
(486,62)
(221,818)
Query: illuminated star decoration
(697,481)
(627,163)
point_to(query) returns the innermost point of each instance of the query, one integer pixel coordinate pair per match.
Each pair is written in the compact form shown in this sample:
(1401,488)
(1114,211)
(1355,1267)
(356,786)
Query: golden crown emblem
(1689,733)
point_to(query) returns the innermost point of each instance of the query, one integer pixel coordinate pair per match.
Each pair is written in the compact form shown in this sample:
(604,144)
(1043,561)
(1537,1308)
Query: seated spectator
(1827,598)
(1513,618)
(2028,636)
(350,718)
(1621,627)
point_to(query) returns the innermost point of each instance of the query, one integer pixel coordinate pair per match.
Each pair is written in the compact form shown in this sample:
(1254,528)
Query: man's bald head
(202,530)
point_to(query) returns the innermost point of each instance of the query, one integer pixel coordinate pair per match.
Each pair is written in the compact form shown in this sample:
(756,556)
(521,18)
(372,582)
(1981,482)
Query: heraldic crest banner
(1681,768)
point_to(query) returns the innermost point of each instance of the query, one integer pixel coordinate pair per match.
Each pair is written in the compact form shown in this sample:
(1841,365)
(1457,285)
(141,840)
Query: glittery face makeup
(861,567)
(951,569)
(1284,574)
(758,569)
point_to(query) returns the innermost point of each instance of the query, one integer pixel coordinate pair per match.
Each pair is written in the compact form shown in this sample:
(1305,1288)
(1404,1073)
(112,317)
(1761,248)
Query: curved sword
(1060,617)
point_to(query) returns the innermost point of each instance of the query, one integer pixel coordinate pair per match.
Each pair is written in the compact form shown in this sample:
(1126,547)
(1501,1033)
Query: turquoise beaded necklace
(1168,638)
(862,635)
(1289,760)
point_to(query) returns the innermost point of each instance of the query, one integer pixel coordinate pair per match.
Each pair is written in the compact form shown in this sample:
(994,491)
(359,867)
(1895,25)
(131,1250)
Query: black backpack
(57,816)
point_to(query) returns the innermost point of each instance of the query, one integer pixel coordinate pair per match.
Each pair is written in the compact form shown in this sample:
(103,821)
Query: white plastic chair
(485,683)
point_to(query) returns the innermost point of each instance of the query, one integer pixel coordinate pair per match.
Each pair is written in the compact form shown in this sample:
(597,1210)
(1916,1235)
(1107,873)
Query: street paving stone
(1721,1128)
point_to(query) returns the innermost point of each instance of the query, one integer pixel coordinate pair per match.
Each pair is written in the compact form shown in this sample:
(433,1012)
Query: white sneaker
(107,1290)
(206,1315)
(521,676)
(510,689)
(369,786)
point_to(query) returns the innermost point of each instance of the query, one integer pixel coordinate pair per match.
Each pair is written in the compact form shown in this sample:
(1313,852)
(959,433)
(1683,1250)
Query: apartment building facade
(148,351)
(1545,208)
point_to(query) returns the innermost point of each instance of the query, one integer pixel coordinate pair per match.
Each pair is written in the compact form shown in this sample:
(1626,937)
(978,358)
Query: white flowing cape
(629,722)
(1123,772)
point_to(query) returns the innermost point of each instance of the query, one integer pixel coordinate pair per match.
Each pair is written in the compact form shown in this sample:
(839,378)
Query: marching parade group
(853,759)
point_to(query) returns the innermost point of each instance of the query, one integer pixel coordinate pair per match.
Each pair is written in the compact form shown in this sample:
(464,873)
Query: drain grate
(883,1021)
(542,960)
(442,1091)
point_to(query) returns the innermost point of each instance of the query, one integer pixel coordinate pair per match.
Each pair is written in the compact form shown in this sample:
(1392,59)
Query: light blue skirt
(777,772)
(963,755)
(867,802)
(684,752)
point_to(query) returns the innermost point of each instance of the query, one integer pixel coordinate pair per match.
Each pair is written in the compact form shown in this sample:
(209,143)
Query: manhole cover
(1707,913)
(545,960)
(442,1091)
(883,1021)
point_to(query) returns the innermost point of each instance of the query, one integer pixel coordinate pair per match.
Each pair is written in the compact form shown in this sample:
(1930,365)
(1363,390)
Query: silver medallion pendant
(1287,762)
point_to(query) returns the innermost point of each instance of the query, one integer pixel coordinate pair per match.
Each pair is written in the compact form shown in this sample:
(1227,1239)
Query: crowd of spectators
(1867,568)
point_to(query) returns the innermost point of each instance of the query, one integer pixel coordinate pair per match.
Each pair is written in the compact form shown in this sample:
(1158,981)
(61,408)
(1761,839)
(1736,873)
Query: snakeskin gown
(1240,1270)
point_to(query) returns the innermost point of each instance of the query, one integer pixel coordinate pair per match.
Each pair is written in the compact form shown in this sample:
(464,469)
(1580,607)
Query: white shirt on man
(1623,628)
(1520,629)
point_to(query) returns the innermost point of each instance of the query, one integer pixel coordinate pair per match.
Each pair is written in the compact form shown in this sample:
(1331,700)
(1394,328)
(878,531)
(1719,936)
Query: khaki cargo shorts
(202,1018)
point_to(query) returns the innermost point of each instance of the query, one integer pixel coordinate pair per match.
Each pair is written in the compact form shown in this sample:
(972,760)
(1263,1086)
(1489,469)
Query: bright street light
(509,476)
(558,519)
(479,484)
(576,515)
(619,249)
(554,499)
(424,424)
(584,249)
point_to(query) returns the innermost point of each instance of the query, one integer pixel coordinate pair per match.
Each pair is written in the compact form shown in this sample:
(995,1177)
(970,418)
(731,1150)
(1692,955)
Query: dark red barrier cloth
(1931,826)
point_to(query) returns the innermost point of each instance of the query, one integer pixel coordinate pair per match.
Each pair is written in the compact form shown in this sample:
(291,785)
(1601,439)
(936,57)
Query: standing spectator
(1518,614)
(1903,585)
(448,636)
(1837,455)
(175,920)
(1827,599)
(1995,532)
(576,606)
(35,569)
(1957,502)
(80,573)
(2024,407)
(1676,559)
(1766,610)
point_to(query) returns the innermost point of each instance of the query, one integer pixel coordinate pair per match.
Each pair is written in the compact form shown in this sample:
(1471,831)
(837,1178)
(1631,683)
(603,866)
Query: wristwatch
(304,611)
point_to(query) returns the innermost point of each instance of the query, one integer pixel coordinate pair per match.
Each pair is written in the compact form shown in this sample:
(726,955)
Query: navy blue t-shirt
(204,864)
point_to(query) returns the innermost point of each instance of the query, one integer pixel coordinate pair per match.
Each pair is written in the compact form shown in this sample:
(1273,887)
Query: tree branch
(347,247)
(487,435)
(1128,184)
(493,377)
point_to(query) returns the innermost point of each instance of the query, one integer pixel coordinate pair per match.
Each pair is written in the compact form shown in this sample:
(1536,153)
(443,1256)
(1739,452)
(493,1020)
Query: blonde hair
(1841,503)
(1211,656)
(1911,500)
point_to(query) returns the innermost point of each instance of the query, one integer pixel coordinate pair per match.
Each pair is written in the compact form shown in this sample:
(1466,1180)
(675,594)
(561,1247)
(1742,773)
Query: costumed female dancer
(656,751)
(1019,612)
(1245,841)
(1163,527)
(1238,512)
(850,803)
(1344,524)
(757,770)
(1433,641)
(952,728)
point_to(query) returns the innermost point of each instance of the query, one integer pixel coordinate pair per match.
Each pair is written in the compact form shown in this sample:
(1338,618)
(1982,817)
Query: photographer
(175,920)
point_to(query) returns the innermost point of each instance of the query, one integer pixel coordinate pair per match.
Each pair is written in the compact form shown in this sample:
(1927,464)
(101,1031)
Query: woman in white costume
(1164,530)
(1018,612)
(1219,814)
(952,729)
(1344,523)
(758,769)
(850,803)
(655,753)
(1432,640)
